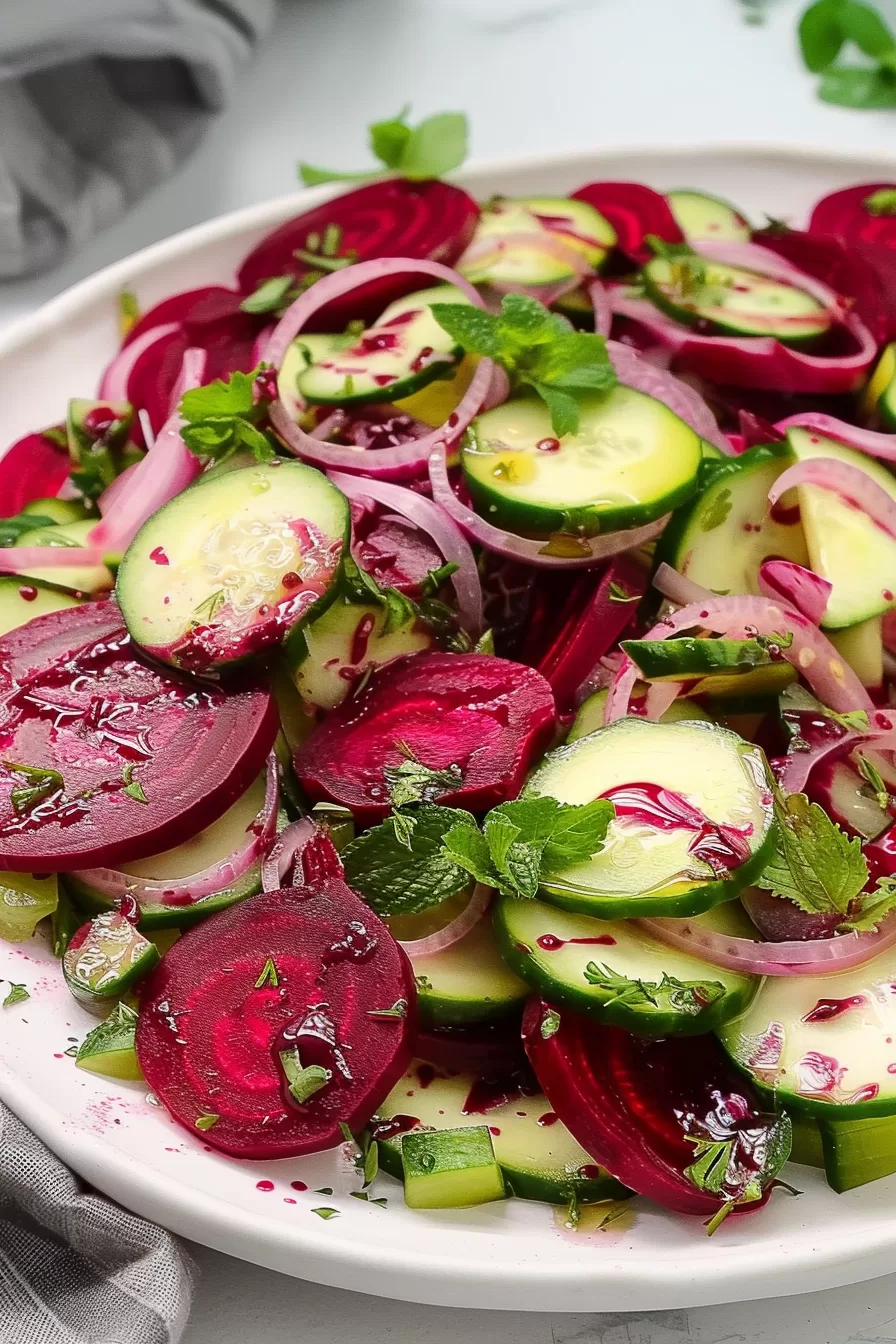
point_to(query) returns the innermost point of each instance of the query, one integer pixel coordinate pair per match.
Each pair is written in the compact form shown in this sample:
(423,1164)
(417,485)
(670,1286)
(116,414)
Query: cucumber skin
(650,1022)
(437,1010)
(164,916)
(687,317)
(397,391)
(525,1184)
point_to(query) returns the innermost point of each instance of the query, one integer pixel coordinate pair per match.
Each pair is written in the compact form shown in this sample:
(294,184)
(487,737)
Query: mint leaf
(863,25)
(563,407)
(222,418)
(821,35)
(269,976)
(578,833)
(467,848)
(816,865)
(469,326)
(397,879)
(419,153)
(303,1083)
(206,1121)
(871,908)
(389,138)
(326,1214)
(15,994)
(234,397)
(414,782)
(854,86)
(36,785)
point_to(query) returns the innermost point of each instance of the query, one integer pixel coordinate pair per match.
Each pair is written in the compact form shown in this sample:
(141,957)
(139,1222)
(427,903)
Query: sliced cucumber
(630,461)
(512,228)
(450,1169)
(162,905)
(56,510)
(304,351)
(328,658)
(536,1152)
(591,713)
(823,1044)
(879,397)
(229,567)
(732,300)
(97,434)
(667,771)
(105,959)
(701,216)
(724,669)
(76,578)
(615,972)
(857,1151)
(22,599)
(25,899)
(862,647)
(404,350)
(845,546)
(468,982)
(109,1049)
(722,538)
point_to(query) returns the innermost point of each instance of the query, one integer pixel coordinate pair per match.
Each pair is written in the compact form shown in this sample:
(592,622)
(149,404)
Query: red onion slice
(870,441)
(831,679)
(114,884)
(784,580)
(459,927)
(850,483)
(810,957)
(639,373)
(114,382)
(798,765)
(446,534)
(603,309)
(167,469)
(15,559)
(660,695)
(678,588)
(282,855)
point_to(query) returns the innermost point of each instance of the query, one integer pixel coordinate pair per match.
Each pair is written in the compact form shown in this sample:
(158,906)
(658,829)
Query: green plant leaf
(233,397)
(399,879)
(564,407)
(857,87)
(821,34)
(436,147)
(269,295)
(388,139)
(816,865)
(864,25)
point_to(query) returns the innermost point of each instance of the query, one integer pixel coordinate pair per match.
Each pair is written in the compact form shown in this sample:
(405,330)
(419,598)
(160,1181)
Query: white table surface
(532,75)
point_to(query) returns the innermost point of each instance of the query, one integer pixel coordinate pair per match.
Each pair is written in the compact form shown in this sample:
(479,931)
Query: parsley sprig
(224,418)
(435,146)
(538,349)
(825,28)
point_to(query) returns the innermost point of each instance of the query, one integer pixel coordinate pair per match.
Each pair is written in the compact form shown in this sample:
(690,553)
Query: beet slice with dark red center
(634,211)
(431,221)
(651,1110)
(32,468)
(105,758)
(393,551)
(489,717)
(309,969)
(854,214)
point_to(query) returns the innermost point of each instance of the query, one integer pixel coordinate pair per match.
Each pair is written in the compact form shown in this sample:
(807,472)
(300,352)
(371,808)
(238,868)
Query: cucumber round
(729,299)
(468,982)
(617,973)
(591,713)
(26,899)
(699,215)
(229,567)
(647,869)
(824,1045)
(536,1152)
(740,669)
(879,397)
(404,350)
(513,227)
(57,510)
(721,539)
(630,461)
(304,351)
(845,546)
(76,578)
(21,599)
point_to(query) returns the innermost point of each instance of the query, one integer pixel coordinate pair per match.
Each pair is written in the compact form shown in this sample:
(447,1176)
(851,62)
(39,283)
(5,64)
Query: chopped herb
(485,643)
(550,1024)
(881,202)
(269,295)
(398,1009)
(423,982)
(64,924)
(15,994)
(404,825)
(268,976)
(715,1222)
(324,1190)
(72,1051)
(43,783)
(135,790)
(573,1211)
(620,594)
(326,1214)
(434,147)
(304,1083)
(206,1121)
(381,1203)
(128,311)
(873,776)
(414,782)
(687,998)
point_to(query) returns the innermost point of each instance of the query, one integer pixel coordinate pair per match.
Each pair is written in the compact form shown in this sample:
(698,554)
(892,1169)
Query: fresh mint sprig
(224,418)
(538,349)
(825,28)
(432,148)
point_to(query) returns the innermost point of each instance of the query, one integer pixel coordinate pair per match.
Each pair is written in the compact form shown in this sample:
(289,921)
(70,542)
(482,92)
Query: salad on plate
(448,695)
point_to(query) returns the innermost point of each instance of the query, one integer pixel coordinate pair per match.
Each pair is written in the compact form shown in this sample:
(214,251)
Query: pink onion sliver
(810,957)
(14,559)
(192,890)
(443,530)
(603,310)
(831,679)
(167,469)
(107,499)
(452,933)
(870,441)
(800,587)
(643,376)
(679,588)
(547,242)
(529,550)
(261,343)
(660,695)
(800,764)
(284,852)
(114,382)
(498,388)
(852,484)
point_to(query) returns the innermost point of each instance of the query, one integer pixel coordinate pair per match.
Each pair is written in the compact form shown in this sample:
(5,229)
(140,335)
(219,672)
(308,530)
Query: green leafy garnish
(550,1024)
(824,29)
(620,594)
(64,924)
(717,512)
(485,643)
(304,1083)
(132,787)
(16,994)
(872,776)
(538,349)
(816,866)
(207,1120)
(434,147)
(401,873)
(13,528)
(398,1010)
(269,976)
(223,418)
(326,1214)
(366,1157)
(414,782)
(526,839)
(687,998)
(41,784)
(269,295)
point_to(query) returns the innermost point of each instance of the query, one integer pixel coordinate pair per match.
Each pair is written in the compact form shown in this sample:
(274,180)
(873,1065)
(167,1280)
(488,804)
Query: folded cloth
(74,1267)
(99,101)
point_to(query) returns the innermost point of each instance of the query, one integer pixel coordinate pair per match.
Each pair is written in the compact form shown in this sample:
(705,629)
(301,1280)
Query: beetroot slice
(393,551)
(421,220)
(634,211)
(77,700)
(490,717)
(845,214)
(309,965)
(645,1109)
(32,468)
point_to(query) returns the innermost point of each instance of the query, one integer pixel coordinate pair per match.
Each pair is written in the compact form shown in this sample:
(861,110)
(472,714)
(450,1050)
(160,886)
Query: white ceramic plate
(509,1255)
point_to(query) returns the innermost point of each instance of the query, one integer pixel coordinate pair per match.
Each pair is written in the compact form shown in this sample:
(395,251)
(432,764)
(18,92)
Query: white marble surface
(533,75)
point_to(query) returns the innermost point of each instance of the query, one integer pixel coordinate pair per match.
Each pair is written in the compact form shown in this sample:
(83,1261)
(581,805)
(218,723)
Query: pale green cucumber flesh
(641,869)
(25,899)
(630,461)
(109,1049)
(879,396)
(450,1169)
(734,300)
(304,351)
(75,577)
(21,599)
(57,510)
(858,1151)
(700,216)
(862,647)
(514,226)
(468,982)
(598,967)
(591,712)
(536,1152)
(229,567)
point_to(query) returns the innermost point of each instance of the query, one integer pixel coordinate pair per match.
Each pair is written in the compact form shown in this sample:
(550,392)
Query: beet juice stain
(720,846)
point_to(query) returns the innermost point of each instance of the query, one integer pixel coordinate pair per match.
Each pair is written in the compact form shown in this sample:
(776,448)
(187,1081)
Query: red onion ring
(446,534)
(801,588)
(660,695)
(870,441)
(798,765)
(284,851)
(14,559)
(167,469)
(261,344)
(452,933)
(679,588)
(603,309)
(810,653)
(114,884)
(114,382)
(816,957)
(851,483)
(643,376)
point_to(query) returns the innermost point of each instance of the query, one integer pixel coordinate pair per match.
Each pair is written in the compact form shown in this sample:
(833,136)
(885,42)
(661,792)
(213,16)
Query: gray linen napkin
(74,1267)
(99,101)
